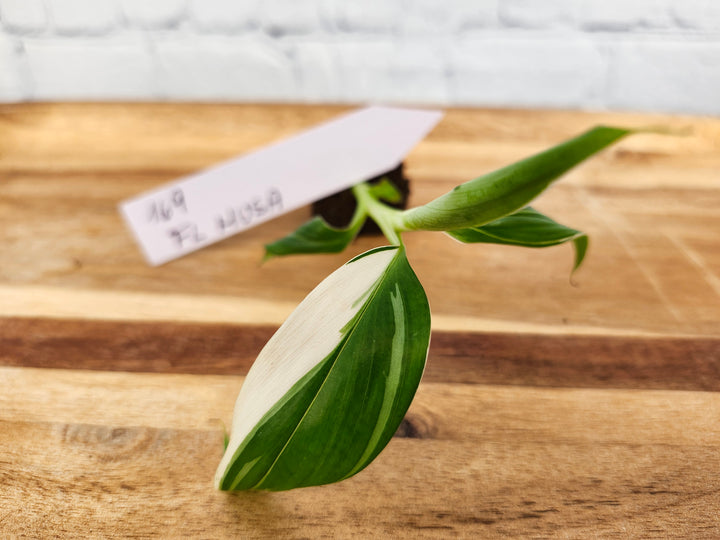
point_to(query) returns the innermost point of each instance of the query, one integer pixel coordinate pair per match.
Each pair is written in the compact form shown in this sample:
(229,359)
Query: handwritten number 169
(163,209)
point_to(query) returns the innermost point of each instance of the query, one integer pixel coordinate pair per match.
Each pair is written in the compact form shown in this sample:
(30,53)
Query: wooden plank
(548,409)
(650,206)
(484,461)
(587,361)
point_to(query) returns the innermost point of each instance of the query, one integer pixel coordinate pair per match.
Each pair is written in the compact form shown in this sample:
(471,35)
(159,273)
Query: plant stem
(387,218)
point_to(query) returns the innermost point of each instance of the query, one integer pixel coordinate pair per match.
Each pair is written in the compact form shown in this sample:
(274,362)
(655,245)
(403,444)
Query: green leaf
(386,191)
(331,387)
(506,190)
(314,236)
(528,228)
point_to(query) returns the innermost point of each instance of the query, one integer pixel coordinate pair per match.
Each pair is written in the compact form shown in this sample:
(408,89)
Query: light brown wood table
(548,408)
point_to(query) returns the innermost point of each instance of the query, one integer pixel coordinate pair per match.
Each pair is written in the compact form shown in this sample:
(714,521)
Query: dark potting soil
(338,209)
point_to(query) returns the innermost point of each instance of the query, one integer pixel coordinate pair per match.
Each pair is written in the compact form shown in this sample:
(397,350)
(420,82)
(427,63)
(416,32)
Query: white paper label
(203,208)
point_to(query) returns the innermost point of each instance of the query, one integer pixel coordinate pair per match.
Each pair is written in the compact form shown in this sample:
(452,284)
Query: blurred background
(646,55)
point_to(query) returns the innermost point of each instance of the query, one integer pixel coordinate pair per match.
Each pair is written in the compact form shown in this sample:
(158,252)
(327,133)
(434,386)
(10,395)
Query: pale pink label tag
(203,208)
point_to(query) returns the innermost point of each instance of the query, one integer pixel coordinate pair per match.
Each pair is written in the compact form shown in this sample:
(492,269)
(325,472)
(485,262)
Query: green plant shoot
(330,388)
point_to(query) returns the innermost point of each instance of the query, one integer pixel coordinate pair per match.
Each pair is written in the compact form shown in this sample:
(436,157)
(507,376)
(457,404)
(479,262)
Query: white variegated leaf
(329,389)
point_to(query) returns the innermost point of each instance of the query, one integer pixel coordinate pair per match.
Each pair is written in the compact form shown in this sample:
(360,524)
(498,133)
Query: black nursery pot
(338,209)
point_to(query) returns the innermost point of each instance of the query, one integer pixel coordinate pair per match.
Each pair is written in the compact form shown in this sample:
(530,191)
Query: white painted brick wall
(78,17)
(114,68)
(153,14)
(318,76)
(374,70)
(290,17)
(641,76)
(221,16)
(23,16)
(533,14)
(661,55)
(447,18)
(224,68)
(697,14)
(622,15)
(12,87)
(372,16)
(509,71)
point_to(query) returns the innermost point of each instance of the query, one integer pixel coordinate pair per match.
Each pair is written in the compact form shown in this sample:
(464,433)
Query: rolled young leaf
(331,387)
(385,190)
(506,190)
(527,228)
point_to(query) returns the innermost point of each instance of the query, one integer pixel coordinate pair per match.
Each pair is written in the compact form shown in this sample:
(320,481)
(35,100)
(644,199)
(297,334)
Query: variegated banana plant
(331,387)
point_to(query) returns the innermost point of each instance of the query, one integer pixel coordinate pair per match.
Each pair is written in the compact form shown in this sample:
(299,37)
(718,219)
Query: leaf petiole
(387,218)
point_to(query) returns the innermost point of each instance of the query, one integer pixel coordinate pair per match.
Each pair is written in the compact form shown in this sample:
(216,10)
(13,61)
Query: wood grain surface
(549,409)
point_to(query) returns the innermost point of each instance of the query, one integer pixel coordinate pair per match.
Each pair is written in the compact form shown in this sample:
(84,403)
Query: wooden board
(548,409)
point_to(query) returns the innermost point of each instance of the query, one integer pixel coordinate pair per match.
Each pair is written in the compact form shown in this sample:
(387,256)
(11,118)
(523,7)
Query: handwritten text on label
(210,205)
